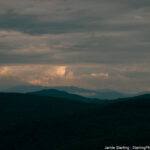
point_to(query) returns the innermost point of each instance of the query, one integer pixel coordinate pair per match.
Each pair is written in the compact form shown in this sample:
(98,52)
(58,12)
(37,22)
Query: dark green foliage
(30,122)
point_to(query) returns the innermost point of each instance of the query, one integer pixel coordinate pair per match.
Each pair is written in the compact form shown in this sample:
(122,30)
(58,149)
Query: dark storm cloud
(31,25)
(71,18)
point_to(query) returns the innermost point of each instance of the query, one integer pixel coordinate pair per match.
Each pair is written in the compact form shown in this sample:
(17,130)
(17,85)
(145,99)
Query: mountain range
(100,94)
(39,120)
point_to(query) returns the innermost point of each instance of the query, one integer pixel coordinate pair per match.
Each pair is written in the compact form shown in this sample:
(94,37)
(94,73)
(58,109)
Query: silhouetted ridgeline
(101,94)
(29,122)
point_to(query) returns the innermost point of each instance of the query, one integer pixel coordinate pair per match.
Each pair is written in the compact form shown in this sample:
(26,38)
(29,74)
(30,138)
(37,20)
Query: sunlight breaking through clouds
(46,75)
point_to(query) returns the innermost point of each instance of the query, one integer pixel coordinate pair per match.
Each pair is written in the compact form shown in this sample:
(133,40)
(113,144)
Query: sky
(94,44)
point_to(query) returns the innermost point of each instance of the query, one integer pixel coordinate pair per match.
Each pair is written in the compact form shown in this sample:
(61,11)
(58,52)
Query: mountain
(24,88)
(42,122)
(58,94)
(100,94)
(32,88)
(28,103)
(61,94)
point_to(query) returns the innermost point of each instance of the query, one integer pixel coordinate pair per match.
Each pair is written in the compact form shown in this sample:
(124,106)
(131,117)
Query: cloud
(61,49)
(46,75)
(55,17)
(120,78)
(103,44)
(105,75)
(3,71)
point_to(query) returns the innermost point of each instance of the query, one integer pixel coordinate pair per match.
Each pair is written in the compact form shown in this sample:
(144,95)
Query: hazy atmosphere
(94,44)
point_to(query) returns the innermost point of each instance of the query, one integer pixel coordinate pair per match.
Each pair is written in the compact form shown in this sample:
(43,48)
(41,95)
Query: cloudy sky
(96,44)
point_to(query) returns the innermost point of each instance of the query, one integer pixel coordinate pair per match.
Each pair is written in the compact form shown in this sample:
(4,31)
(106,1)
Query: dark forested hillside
(29,122)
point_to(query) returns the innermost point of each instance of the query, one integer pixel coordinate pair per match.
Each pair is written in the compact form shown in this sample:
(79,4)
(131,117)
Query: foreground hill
(38,122)
(16,105)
